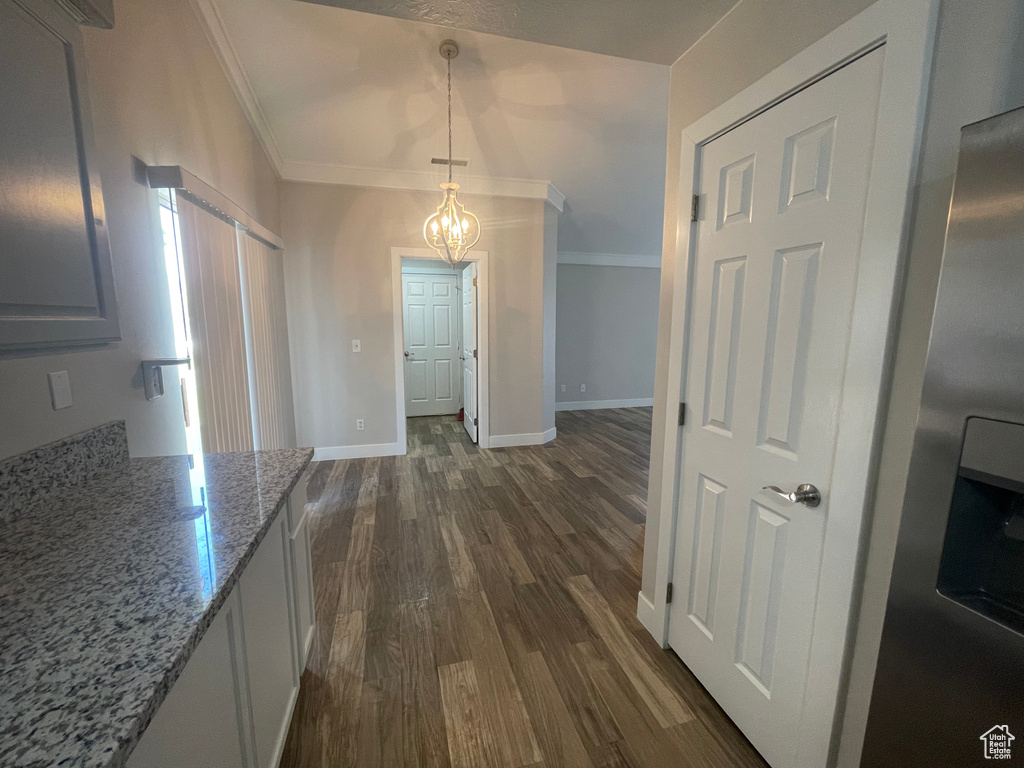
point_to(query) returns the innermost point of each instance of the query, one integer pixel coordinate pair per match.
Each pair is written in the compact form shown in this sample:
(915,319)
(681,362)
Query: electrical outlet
(563,387)
(360,426)
(357,345)
(60,390)
(583,387)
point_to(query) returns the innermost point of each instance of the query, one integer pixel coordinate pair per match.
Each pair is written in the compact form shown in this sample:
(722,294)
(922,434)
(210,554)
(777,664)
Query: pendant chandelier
(452,230)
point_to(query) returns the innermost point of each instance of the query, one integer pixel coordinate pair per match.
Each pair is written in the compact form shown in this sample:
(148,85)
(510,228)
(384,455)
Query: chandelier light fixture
(452,230)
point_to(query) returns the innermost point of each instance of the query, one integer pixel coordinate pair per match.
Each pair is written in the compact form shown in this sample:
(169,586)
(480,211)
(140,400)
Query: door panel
(723,343)
(470,357)
(443,380)
(433,384)
(774,275)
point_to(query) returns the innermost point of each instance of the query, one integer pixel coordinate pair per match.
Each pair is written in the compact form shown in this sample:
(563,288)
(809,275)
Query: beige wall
(157,92)
(338,276)
(607,332)
(976,73)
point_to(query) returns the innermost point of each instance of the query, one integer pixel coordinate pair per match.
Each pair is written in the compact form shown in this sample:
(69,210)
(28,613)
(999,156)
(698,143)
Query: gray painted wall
(158,92)
(976,73)
(338,277)
(607,332)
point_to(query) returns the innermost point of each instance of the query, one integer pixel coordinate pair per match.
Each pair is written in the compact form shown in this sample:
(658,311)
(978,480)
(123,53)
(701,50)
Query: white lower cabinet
(267,618)
(302,575)
(233,702)
(204,721)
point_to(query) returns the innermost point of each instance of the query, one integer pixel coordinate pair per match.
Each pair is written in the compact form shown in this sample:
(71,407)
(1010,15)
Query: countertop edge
(119,757)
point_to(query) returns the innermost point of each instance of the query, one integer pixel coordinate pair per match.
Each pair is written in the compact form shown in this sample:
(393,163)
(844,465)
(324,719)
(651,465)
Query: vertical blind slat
(266,334)
(213,285)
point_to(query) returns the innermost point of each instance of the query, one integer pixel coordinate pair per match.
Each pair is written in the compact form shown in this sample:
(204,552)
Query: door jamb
(907,29)
(483,436)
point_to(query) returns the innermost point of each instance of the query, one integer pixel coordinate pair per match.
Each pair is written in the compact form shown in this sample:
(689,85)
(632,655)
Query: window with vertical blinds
(214,287)
(262,272)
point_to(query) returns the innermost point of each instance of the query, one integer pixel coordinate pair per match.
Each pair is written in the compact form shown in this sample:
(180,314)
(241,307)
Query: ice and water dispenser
(982,565)
(950,669)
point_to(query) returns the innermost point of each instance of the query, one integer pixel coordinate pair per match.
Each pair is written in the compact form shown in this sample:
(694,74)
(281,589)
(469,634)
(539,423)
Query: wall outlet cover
(360,426)
(60,390)
(563,387)
(357,346)
(583,387)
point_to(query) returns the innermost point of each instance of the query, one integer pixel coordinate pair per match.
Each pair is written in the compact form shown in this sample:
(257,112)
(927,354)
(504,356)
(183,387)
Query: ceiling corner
(230,62)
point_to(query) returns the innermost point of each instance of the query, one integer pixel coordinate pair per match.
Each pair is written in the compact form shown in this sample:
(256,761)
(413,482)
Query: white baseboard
(598,405)
(358,451)
(653,621)
(528,438)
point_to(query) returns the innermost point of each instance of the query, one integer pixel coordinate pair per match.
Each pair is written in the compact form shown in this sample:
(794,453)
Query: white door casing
(433,381)
(774,281)
(420,256)
(907,28)
(469,349)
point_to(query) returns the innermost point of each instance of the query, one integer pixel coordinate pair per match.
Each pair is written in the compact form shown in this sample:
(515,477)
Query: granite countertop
(108,586)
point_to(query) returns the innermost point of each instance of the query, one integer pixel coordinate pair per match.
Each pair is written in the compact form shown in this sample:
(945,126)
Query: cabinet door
(303,583)
(205,718)
(56,281)
(269,642)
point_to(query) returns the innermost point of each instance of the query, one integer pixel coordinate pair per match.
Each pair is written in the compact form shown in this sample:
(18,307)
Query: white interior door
(433,381)
(470,355)
(775,269)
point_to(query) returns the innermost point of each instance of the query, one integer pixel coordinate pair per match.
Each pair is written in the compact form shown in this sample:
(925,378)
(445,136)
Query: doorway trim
(907,30)
(483,338)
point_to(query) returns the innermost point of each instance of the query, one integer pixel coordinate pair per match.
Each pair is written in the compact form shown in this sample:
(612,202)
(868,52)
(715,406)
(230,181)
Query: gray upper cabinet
(56,282)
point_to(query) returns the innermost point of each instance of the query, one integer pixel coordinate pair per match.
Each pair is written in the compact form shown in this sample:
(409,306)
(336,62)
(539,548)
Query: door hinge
(694,207)
(476,421)
(682,414)
(668,594)
(474,282)
(474,354)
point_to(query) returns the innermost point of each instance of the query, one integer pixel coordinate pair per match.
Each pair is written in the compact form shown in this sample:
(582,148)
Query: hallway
(477,609)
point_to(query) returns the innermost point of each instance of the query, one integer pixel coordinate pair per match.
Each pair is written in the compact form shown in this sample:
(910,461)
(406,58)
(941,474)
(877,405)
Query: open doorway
(440,320)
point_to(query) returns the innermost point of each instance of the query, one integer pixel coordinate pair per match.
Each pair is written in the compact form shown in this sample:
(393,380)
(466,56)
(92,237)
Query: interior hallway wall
(338,276)
(607,333)
(550,288)
(158,92)
(976,69)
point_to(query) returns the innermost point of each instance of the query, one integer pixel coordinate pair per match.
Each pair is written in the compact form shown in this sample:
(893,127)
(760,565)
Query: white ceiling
(336,92)
(657,31)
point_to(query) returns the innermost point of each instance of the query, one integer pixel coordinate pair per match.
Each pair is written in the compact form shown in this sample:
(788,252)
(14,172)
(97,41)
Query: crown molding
(609,260)
(424,181)
(213,25)
(348,175)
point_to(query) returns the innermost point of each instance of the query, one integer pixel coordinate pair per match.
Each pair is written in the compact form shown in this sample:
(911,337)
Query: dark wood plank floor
(476,609)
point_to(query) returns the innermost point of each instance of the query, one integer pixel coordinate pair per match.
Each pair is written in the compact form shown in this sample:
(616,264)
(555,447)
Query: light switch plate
(60,390)
(357,345)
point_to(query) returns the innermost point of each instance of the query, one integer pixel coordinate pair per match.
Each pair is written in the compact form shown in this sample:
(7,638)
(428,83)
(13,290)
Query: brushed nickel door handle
(805,494)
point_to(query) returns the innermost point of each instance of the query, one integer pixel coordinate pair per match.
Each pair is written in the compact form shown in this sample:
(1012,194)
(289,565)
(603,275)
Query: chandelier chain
(449,121)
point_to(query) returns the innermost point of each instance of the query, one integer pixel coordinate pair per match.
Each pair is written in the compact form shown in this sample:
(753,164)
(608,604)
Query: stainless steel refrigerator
(949,690)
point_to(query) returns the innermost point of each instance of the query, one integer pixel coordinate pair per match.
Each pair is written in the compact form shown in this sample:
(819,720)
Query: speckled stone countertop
(107,587)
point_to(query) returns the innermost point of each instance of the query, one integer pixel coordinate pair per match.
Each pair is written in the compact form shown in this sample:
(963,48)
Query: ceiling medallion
(452,230)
